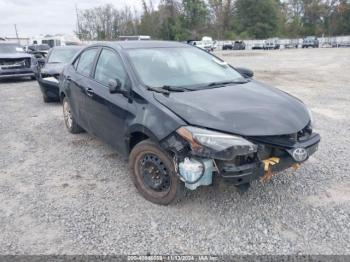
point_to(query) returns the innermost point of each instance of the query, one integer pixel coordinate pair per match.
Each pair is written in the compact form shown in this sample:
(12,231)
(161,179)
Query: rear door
(80,84)
(110,111)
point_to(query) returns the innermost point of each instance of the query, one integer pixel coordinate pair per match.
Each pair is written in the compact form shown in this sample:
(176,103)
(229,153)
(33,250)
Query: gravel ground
(71,194)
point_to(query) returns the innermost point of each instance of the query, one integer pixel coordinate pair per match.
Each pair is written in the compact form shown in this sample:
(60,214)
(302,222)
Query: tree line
(222,19)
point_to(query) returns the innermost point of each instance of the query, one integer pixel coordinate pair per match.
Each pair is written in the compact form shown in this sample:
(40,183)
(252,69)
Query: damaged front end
(201,153)
(12,67)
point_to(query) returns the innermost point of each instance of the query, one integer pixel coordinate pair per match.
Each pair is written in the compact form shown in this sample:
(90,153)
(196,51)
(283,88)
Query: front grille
(14,63)
(285,140)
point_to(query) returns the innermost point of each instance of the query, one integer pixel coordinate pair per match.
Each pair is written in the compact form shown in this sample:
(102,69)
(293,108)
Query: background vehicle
(15,63)
(258,46)
(293,43)
(149,115)
(239,45)
(310,41)
(48,74)
(39,51)
(201,45)
(37,48)
(227,46)
(134,37)
(271,43)
(208,43)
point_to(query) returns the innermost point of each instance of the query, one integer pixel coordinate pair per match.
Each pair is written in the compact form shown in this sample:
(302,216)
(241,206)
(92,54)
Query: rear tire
(69,120)
(153,173)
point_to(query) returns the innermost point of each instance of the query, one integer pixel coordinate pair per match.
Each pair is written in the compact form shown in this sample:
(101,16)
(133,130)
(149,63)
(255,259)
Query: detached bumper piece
(239,175)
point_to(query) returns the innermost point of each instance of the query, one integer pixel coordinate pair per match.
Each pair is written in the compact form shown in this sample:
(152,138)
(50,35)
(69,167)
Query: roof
(8,43)
(136,44)
(77,47)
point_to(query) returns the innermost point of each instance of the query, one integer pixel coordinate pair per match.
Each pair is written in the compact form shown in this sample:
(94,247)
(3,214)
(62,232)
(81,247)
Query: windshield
(185,66)
(62,55)
(6,49)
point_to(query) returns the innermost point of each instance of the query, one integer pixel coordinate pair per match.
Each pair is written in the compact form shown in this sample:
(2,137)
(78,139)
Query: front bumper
(17,73)
(49,88)
(246,173)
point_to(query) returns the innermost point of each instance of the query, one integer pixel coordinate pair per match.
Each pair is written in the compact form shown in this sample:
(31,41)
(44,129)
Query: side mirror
(247,73)
(114,86)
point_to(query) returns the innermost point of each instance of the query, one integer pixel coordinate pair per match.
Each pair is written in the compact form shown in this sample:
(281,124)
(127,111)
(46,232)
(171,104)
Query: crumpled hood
(251,109)
(15,55)
(52,69)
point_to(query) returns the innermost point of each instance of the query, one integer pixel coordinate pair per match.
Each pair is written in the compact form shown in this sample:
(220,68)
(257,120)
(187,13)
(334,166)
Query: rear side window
(86,61)
(109,66)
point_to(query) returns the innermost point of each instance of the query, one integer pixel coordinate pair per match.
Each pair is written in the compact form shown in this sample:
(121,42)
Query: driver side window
(109,66)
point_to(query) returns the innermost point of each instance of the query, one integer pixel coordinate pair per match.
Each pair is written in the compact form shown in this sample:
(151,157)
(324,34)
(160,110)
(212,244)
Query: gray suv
(310,41)
(15,63)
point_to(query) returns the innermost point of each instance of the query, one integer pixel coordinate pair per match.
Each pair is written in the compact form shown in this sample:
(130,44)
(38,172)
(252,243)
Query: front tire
(69,120)
(153,173)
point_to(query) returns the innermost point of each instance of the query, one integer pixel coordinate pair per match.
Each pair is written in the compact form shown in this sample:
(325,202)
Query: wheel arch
(138,133)
(62,95)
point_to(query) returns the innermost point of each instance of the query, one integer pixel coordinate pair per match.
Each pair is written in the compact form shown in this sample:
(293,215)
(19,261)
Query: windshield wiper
(174,88)
(166,89)
(223,83)
(157,89)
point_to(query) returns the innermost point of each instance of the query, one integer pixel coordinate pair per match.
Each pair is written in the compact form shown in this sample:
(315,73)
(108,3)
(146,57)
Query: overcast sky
(35,17)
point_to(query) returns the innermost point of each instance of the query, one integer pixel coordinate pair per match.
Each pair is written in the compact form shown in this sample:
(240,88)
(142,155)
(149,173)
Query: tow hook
(268,163)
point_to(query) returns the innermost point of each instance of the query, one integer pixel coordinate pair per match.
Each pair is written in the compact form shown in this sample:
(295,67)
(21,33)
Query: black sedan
(48,76)
(183,116)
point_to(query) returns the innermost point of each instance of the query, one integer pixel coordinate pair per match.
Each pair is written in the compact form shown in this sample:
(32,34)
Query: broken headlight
(207,143)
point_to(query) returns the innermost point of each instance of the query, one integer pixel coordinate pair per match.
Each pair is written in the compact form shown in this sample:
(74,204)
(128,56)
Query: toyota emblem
(300,154)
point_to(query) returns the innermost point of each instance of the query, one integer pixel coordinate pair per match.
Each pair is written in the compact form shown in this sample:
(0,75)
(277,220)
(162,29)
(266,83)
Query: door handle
(89,91)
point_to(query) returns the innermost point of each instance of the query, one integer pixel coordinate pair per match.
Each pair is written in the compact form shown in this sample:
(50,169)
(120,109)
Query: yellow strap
(270,162)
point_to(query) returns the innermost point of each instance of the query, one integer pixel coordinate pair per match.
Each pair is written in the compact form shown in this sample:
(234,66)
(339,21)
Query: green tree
(221,19)
(313,17)
(150,20)
(171,20)
(195,17)
(341,18)
(257,18)
(221,16)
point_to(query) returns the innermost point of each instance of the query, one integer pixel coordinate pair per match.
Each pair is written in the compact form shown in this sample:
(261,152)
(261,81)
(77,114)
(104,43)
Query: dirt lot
(71,194)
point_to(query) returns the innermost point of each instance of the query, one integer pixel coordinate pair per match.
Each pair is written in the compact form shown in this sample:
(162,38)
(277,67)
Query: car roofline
(139,44)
